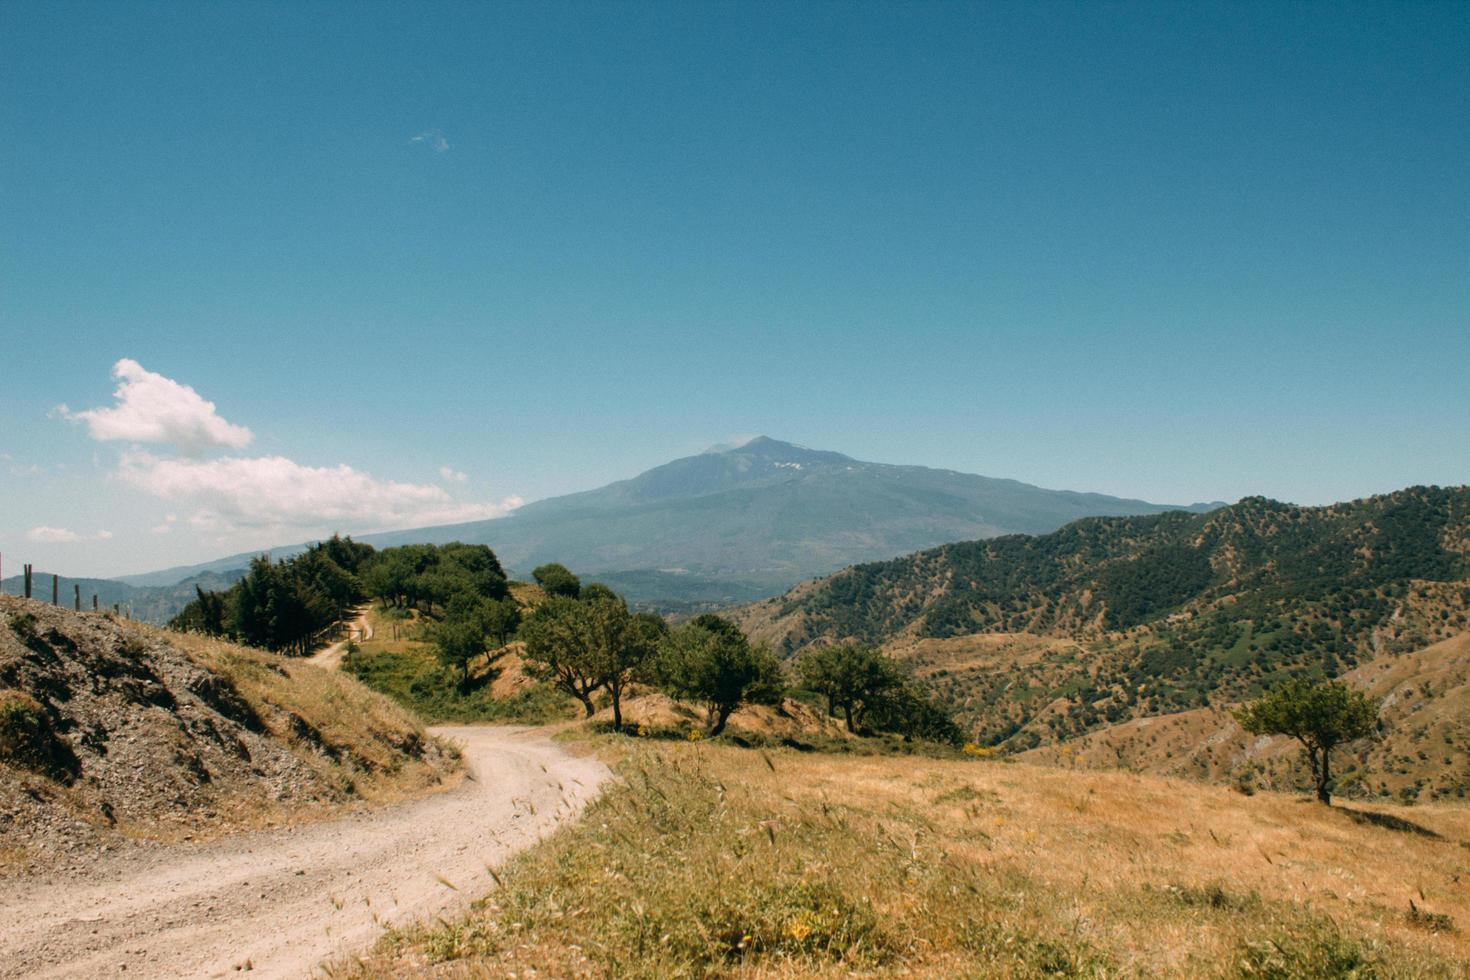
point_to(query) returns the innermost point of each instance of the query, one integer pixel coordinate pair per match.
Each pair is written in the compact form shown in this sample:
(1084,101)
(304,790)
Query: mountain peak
(777,451)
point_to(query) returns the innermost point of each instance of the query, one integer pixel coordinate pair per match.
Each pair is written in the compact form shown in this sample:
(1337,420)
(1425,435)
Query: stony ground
(112,733)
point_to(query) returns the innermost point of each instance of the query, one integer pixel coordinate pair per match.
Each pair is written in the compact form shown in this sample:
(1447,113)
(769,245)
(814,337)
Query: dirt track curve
(281,902)
(331,657)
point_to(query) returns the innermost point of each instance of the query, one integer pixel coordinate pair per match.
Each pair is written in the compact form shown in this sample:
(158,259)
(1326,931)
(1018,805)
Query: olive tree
(559,649)
(557,579)
(469,627)
(584,646)
(710,662)
(853,677)
(1319,716)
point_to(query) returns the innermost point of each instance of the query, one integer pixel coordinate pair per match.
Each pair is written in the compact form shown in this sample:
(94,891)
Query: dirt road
(280,902)
(359,629)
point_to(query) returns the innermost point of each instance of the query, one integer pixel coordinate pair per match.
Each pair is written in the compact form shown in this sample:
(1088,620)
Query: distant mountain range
(739,523)
(146,603)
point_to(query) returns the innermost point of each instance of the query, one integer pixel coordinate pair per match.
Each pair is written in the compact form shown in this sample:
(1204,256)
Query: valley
(735,491)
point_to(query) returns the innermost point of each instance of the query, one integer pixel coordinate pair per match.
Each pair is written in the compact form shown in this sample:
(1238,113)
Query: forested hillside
(1143,615)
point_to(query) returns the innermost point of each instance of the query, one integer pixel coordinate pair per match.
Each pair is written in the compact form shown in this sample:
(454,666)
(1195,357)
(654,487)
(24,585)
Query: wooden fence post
(28,581)
(94,602)
(78,592)
(56,590)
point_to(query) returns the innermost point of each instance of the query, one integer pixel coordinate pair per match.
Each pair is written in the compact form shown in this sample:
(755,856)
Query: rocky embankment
(110,732)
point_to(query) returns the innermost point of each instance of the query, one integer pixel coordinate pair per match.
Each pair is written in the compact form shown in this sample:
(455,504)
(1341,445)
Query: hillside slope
(1422,751)
(731,525)
(111,732)
(1148,615)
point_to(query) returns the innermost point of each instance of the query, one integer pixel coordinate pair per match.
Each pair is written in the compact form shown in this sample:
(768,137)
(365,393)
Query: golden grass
(375,750)
(708,860)
(528,594)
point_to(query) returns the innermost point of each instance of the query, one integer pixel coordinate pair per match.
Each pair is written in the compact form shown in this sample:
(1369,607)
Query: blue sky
(1173,251)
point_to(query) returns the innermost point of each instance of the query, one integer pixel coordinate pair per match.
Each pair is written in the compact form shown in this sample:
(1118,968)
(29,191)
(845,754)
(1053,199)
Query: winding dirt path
(279,903)
(331,657)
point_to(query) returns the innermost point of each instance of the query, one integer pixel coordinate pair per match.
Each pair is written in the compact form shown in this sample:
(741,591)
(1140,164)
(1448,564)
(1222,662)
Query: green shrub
(28,740)
(418,681)
(1316,951)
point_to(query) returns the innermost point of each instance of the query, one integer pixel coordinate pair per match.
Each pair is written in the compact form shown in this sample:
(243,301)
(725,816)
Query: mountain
(737,523)
(1037,639)
(144,603)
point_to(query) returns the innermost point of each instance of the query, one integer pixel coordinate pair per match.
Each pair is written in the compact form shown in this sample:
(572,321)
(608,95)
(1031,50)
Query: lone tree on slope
(1320,716)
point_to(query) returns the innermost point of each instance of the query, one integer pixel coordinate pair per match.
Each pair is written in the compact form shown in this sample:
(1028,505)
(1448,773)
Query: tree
(853,677)
(711,662)
(458,641)
(561,648)
(1320,716)
(557,580)
(348,554)
(909,711)
(477,564)
(469,626)
(583,646)
(623,643)
(596,590)
(501,618)
(205,614)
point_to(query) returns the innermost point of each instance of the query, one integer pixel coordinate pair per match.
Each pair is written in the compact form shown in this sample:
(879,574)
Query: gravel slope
(281,902)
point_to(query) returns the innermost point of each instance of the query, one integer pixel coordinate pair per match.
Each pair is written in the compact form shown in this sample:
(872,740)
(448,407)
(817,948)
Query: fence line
(28,584)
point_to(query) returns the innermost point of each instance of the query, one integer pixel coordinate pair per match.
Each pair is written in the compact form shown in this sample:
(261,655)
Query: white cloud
(52,535)
(233,493)
(432,138)
(230,497)
(152,408)
(62,535)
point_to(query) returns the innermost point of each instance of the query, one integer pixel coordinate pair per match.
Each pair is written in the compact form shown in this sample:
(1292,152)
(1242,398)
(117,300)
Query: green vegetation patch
(415,678)
(29,740)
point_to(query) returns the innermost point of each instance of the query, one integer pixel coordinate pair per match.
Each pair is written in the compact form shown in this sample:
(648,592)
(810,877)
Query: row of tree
(592,643)
(582,638)
(286,606)
(282,606)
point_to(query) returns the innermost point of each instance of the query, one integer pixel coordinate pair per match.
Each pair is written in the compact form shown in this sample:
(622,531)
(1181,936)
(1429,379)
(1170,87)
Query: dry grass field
(710,860)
